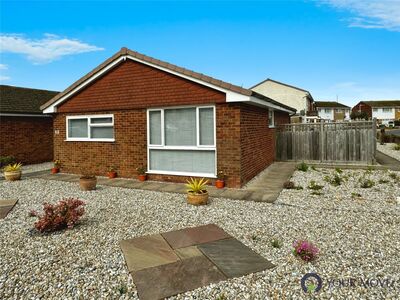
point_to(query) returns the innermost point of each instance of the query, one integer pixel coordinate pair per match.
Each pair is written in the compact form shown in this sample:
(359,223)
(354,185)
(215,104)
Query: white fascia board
(23,115)
(260,102)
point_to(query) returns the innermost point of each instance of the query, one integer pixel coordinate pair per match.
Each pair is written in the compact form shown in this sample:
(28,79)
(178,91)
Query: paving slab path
(175,262)
(387,161)
(6,205)
(264,188)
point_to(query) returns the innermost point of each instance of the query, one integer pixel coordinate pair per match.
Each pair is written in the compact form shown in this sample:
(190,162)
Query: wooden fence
(345,142)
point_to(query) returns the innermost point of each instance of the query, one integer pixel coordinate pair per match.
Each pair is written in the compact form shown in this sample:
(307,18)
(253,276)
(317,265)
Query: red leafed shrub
(64,214)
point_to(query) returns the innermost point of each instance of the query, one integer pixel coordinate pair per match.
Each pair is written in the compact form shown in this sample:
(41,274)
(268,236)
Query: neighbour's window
(90,128)
(181,141)
(271,118)
(387,109)
(375,109)
(327,110)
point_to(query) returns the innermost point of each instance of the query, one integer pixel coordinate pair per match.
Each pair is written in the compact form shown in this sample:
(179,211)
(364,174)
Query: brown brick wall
(257,140)
(363,107)
(28,139)
(133,85)
(130,147)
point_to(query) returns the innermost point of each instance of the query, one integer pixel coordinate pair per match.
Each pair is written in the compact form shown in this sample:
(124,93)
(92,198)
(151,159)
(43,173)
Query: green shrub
(276,243)
(335,180)
(7,160)
(366,183)
(339,170)
(314,186)
(302,167)
(396,147)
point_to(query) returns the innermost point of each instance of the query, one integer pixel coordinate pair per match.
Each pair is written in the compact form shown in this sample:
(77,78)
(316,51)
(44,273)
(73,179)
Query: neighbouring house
(25,132)
(289,95)
(134,110)
(332,111)
(383,110)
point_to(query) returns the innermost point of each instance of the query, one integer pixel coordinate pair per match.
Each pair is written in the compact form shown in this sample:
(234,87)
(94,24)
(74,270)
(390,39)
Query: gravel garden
(390,149)
(351,216)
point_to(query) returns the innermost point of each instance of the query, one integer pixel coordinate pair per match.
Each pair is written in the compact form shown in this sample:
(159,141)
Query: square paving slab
(233,258)
(6,206)
(171,279)
(147,251)
(194,236)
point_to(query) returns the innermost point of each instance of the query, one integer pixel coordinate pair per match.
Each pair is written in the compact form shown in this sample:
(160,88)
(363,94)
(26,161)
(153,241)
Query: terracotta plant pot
(112,174)
(55,170)
(220,183)
(12,175)
(142,177)
(88,183)
(197,199)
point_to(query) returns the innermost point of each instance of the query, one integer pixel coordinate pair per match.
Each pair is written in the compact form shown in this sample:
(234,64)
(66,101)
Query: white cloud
(3,78)
(3,67)
(383,14)
(45,50)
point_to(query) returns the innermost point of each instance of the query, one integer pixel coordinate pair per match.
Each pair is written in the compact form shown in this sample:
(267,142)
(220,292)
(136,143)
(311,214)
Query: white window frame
(89,126)
(387,109)
(197,147)
(271,112)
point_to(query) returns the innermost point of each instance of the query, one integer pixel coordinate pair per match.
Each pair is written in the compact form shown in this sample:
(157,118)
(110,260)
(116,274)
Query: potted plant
(87,182)
(13,172)
(56,167)
(142,176)
(220,182)
(197,191)
(111,172)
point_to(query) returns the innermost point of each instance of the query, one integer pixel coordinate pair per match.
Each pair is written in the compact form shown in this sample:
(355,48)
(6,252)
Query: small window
(327,110)
(375,109)
(90,128)
(387,109)
(271,118)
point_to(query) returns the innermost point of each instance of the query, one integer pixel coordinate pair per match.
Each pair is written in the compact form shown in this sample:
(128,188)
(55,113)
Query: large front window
(181,141)
(90,128)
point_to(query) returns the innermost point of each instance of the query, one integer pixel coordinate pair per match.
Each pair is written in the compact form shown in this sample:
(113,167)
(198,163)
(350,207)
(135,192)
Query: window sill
(208,175)
(273,126)
(90,140)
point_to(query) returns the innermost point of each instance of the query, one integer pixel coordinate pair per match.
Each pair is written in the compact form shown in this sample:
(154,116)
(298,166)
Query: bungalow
(332,110)
(134,110)
(383,110)
(25,132)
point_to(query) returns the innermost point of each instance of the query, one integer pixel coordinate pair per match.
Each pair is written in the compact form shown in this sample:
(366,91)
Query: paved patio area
(174,262)
(387,161)
(6,206)
(264,188)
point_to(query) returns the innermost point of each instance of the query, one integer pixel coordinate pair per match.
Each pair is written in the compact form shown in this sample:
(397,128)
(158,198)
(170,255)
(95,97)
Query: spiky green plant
(197,186)
(13,167)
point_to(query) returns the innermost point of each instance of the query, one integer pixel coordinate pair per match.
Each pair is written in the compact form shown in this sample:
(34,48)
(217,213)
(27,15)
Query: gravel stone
(356,229)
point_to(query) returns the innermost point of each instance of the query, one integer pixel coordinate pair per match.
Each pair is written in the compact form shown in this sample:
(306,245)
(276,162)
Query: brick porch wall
(28,139)
(257,140)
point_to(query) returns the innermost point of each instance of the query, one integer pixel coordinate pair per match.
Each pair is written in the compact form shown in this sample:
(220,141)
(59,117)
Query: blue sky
(335,48)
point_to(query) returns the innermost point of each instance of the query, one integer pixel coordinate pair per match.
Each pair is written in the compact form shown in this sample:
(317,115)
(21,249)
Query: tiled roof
(383,103)
(23,100)
(330,104)
(177,69)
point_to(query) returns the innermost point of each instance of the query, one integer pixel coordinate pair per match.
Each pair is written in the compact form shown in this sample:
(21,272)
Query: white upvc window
(93,128)
(375,109)
(327,110)
(182,141)
(271,118)
(387,109)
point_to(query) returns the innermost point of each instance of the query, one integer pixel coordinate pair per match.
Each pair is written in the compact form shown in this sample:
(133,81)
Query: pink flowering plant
(64,214)
(305,250)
